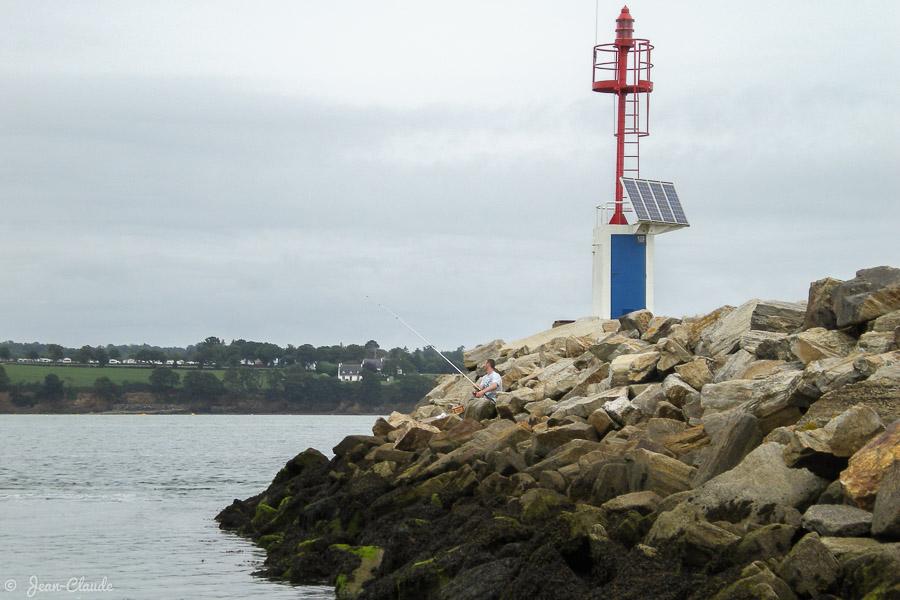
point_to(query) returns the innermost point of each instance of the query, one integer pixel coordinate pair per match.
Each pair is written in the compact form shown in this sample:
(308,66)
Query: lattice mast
(630,65)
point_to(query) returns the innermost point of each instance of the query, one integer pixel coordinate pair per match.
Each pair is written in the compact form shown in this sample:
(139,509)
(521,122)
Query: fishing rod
(430,345)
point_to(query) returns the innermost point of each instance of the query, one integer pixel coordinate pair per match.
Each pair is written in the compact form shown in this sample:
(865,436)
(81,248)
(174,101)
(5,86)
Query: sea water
(104,507)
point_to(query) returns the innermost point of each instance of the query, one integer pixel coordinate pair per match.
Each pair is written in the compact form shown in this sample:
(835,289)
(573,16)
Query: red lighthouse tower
(623,269)
(628,61)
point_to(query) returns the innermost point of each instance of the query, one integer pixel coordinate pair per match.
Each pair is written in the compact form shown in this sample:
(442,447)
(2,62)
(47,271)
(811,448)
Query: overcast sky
(172,170)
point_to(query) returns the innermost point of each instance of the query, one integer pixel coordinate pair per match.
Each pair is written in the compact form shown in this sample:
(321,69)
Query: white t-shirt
(487,380)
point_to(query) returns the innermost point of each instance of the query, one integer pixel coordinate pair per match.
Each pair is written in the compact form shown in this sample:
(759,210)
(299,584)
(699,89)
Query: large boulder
(475,357)
(696,373)
(867,468)
(872,293)
(658,328)
(718,397)
(583,407)
(724,336)
(779,317)
(480,409)
(820,306)
(882,395)
(633,368)
(886,514)
(757,582)
(842,436)
(758,488)
(416,436)
(654,472)
(810,568)
(449,391)
(835,520)
(616,344)
(739,435)
(547,441)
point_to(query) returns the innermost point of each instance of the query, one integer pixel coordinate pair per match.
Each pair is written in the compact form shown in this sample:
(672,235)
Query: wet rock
(765,543)
(386,452)
(837,521)
(352,441)
(416,437)
(538,502)
(757,582)
(810,569)
(642,502)
(845,547)
(703,542)
(447,441)
(872,573)
(381,428)
(868,466)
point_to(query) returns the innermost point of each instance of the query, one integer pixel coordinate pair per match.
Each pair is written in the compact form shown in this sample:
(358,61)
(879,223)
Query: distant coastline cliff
(752,452)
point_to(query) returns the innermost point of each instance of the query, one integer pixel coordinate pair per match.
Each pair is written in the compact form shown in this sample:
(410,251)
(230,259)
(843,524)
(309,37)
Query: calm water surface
(127,502)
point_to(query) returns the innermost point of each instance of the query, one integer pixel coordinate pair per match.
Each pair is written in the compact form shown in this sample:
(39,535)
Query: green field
(80,376)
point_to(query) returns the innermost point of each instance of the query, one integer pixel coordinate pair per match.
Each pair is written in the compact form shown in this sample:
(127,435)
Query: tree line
(301,378)
(214,352)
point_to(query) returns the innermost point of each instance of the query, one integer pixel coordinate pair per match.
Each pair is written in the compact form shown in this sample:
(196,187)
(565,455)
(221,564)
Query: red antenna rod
(628,60)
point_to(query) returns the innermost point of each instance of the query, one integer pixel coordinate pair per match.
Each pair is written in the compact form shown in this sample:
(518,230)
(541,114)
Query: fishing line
(430,345)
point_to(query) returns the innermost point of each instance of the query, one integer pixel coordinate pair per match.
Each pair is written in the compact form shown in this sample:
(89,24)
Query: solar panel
(655,201)
(647,195)
(640,210)
(675,203)
(660,197)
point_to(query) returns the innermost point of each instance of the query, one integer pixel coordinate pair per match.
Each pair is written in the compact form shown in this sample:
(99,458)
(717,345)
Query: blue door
(628,281)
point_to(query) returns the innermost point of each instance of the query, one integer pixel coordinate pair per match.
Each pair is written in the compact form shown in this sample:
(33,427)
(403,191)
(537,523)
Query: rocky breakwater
(753,452)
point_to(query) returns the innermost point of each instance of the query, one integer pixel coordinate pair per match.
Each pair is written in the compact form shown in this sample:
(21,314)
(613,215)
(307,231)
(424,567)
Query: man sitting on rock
(491,383)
